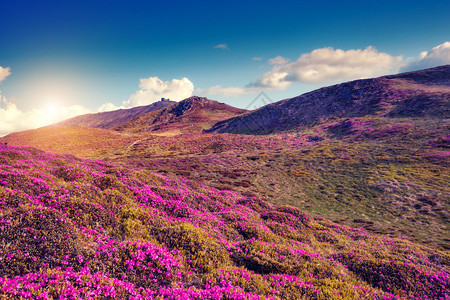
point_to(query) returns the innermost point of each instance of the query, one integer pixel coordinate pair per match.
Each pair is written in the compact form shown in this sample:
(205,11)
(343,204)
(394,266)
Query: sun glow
(53,109)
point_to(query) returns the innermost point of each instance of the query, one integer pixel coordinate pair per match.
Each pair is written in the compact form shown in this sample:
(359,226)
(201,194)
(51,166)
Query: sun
(53,109)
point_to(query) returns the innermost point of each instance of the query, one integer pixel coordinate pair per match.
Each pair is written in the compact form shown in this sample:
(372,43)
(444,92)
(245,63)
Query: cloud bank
(437,56)
(151,90)
(329,65)
(13,119)
(326,65)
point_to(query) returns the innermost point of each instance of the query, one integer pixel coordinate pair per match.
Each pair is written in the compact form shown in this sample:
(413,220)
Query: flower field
(75,228)
(387,175)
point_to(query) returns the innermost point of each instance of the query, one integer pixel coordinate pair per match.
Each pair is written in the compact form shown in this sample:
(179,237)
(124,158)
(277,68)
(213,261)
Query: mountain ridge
(412,94)
(110,119)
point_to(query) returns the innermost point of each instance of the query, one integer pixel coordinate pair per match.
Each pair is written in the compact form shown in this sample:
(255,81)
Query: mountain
(110,119)
(193,114)
(424,93)
(79,136)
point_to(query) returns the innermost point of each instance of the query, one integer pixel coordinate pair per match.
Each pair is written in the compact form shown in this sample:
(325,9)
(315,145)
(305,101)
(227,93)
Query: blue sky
(68,57)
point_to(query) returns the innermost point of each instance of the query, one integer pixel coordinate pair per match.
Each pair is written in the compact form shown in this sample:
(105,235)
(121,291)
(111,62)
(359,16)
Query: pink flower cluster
(73,228)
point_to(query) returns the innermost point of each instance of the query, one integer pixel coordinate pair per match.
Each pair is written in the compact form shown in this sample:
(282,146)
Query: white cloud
(273,79)
(152,89)
(109,107)
(437,56)
(13,119)
(279,60)
(4,72)
(227,91)
(327,65)
(222,46)
(324,65)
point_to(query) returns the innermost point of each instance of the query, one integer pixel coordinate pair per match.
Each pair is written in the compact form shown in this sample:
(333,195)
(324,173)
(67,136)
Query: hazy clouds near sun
(13,119)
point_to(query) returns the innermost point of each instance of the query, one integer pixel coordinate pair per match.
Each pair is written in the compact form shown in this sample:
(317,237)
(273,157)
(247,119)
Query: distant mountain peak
(189,103)
(197,99)
(192,114)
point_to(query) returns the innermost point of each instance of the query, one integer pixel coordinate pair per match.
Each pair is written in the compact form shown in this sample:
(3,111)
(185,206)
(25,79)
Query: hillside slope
(389,175)
(193,114)
(424,93)
(88,142)
(110,119)
(74,228)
